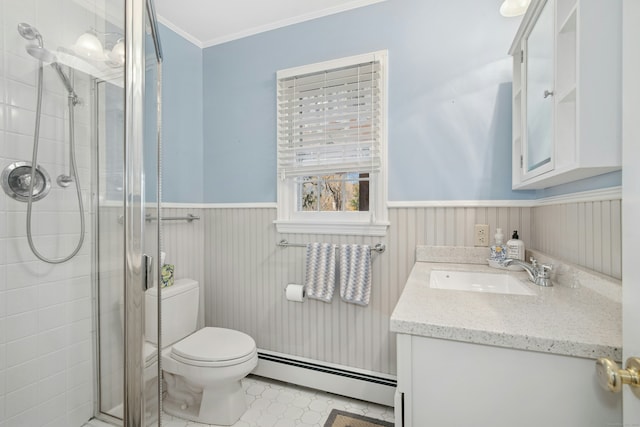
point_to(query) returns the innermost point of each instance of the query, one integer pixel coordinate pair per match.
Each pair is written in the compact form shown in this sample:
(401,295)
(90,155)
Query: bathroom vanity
(473,357)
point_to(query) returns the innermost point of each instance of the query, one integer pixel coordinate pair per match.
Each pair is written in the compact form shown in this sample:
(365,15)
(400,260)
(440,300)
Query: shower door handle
(147,277)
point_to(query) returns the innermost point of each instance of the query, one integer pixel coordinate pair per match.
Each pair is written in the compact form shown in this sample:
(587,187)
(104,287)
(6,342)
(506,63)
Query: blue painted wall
(182,140)
(449,103)
(612,179)
(449,98)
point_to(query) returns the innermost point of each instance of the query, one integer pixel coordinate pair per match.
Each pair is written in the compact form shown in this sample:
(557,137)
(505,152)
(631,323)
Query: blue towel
(355,273)
(320,277)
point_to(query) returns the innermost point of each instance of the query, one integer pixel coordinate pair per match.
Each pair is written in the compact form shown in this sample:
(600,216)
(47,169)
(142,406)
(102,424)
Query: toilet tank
(180,304)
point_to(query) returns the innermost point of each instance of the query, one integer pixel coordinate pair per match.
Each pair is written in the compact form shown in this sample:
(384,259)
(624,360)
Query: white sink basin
(497,283)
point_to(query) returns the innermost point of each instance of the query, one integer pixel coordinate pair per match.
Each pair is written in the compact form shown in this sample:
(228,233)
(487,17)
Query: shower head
(39,52)
(30,33)
(42,54)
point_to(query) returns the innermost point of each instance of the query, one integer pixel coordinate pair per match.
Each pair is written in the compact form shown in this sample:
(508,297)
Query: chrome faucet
(538,273)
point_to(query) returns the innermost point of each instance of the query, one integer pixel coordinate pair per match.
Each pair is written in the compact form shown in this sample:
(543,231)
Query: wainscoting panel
(588,234)
(183,243)
(232,252)
(246,273)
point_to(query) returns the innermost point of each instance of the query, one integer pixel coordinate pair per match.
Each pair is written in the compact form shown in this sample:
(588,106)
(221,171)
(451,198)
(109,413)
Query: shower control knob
(24,181)
(64,180)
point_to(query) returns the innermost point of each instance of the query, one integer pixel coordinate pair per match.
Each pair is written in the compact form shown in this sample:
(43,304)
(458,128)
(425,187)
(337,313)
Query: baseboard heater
(338,379)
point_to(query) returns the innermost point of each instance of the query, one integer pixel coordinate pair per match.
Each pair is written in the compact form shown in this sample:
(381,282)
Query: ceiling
(210,22)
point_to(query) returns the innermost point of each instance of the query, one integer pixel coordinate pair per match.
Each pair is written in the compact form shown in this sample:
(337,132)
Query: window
(332,147)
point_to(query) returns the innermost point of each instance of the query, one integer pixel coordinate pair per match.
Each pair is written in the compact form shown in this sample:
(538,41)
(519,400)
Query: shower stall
(80,217)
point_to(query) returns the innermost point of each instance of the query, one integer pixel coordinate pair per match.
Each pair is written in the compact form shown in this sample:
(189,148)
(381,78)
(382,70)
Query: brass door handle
(611,377)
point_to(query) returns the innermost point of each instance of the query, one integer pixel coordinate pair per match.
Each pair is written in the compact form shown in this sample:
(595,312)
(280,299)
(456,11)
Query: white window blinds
(329,120)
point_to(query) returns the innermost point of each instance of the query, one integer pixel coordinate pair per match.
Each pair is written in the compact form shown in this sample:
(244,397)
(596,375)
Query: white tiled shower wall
(46,361)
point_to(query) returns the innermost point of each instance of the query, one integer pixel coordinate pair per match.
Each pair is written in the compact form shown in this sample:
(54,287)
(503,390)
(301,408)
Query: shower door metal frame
(134,208)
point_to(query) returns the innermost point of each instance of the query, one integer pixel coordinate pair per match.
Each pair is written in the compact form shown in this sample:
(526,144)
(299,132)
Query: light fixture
(511,8)
(89,46)
(117,53)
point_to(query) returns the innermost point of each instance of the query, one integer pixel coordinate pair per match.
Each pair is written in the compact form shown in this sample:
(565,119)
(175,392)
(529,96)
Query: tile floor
(277,404)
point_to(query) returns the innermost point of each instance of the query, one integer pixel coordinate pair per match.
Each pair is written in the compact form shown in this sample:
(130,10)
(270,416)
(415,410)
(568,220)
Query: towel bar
(379,247)
(189,218)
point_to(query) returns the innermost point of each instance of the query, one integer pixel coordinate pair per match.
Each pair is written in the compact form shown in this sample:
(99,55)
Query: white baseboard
(343,380)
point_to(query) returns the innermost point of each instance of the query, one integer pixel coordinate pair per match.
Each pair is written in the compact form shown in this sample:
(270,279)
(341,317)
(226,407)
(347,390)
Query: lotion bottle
(515,247)
(498,250)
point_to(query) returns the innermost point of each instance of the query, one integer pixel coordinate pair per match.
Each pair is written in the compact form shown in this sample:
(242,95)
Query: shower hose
(74,173)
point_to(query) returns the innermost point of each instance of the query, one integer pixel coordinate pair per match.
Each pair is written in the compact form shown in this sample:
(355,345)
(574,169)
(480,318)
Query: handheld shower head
(30,33)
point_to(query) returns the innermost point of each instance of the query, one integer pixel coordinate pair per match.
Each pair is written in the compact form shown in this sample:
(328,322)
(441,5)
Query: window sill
(342,228)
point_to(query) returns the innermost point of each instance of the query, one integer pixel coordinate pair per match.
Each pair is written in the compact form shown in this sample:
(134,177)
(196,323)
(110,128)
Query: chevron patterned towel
(320,277)
(355,273)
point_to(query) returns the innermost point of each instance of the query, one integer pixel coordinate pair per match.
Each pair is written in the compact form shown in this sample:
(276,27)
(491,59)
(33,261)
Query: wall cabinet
(450,383)
(567,110)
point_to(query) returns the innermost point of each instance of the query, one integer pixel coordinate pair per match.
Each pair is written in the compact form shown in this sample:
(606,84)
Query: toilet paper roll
(295,292)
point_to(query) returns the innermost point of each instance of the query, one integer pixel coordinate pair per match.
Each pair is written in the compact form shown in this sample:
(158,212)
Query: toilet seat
(150,354)
(214,347)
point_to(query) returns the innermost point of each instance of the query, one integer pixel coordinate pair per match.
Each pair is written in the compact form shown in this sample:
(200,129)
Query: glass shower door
(128,226)
(142,362)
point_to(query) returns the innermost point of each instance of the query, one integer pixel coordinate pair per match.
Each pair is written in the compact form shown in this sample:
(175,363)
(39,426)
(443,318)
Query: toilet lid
(150,353)
(215,345)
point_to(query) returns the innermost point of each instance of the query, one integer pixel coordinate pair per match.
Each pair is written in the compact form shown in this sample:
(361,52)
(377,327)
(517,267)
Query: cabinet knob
(548,93)
(611,377)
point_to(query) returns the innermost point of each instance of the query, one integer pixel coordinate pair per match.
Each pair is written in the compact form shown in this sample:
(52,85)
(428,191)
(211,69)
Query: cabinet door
(539,66)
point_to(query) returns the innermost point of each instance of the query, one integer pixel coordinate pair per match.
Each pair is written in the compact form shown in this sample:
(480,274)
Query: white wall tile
(79,352)
(79,331)
(20,400)
(79,415)
(52,363)
(22,350)
(15,12)
(52,317)
(3,277)
(19,120)
(56,300)
(77,310)
(51,386)
(52,340)
(3,309)
(53,409)
(21,95)
(21,300)
(53,293)
(21,375)
(21,325)
(30,417)
(79,395)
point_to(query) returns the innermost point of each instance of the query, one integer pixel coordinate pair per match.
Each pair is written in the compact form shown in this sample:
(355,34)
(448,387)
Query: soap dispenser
(515,247)
(498,250)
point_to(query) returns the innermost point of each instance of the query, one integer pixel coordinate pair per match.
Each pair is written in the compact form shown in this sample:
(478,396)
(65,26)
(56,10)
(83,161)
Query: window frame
(365,223)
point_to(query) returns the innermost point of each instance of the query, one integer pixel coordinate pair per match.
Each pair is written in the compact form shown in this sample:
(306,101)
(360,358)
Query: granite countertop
(583,319)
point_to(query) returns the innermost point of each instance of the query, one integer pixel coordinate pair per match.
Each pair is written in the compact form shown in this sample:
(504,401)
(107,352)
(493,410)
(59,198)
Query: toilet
(202,368)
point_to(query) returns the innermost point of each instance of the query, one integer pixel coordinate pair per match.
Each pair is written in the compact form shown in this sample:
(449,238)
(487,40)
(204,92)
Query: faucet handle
(546,267)
(534,262)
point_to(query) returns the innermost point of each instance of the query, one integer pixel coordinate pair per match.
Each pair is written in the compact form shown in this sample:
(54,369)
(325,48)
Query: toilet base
(222,405)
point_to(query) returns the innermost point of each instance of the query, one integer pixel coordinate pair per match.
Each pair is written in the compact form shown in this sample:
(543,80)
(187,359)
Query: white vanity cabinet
(566,92)
(456,384)
(470,358)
